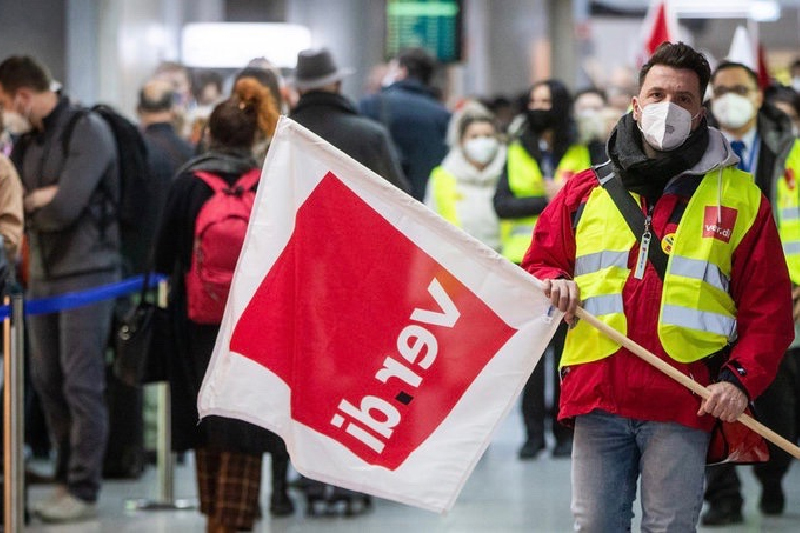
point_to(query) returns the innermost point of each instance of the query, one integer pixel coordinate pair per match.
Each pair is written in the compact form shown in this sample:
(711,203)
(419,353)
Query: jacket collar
(323,98)
(50,120)
(411,85)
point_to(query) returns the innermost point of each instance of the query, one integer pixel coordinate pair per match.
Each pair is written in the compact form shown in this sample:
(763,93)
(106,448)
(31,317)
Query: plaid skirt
(229,484)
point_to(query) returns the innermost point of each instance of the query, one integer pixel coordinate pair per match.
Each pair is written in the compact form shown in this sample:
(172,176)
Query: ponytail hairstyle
(247,116)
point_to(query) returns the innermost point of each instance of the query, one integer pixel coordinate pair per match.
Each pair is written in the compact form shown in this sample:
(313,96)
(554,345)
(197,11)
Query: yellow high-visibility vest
(525,180)
(787,210)
(445,192)
(698,315)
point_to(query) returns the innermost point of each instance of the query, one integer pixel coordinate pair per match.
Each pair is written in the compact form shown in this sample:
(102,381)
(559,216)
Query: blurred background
(102,50)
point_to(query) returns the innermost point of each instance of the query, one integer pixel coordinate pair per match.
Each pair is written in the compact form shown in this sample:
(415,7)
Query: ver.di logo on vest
(719,229)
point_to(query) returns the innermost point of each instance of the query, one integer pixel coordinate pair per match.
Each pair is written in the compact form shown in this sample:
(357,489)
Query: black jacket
(417,122)
(335,119)
(775,138)
(195,342)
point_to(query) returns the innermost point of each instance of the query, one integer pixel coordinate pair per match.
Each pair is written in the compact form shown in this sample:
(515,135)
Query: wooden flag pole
(685,380)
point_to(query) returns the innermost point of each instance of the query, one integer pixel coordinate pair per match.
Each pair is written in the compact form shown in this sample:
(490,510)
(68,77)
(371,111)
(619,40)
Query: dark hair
(265,77)
(23,71)
(419,64)
(561,106)
(782,93)
(679,55)
(591,90)
(250,110)
(795,64)
(155,96)
(733,64)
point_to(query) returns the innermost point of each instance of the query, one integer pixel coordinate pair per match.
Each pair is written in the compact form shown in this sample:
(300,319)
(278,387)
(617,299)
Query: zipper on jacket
(644,246)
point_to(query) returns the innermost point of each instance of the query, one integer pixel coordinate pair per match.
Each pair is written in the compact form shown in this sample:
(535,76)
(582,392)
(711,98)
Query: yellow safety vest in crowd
(446,195)
(698,315)
(525,180)
(787,210)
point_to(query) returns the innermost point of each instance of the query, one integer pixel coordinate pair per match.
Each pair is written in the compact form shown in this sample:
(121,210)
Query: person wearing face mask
(462,187)
(787,100)
(73,247)
(541,158)
(594,120)
(715,305)
(763,139)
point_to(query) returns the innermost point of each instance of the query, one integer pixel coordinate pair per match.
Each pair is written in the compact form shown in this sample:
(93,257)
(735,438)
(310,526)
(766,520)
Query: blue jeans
(610,453)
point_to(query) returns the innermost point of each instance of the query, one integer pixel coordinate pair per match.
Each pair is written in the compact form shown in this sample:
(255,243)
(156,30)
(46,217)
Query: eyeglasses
(741,90)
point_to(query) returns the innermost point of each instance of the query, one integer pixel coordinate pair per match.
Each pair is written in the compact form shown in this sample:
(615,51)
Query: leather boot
(279,502)
(723,513)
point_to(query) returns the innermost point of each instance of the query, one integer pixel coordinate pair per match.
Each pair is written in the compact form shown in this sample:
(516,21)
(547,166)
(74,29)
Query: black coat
(195,342)
(333,117)
(418,124)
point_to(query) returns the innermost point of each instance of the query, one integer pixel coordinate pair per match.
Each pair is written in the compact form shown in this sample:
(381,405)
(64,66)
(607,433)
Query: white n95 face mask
(481,149)
(733,110)
(665,126)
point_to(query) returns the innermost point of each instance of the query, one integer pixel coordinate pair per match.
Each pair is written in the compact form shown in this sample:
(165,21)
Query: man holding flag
(671,245)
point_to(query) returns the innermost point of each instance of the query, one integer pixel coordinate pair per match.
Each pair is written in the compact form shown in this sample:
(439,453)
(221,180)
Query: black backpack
(137,192)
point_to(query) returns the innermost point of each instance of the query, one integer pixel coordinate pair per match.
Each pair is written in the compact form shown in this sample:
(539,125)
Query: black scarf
(646,176)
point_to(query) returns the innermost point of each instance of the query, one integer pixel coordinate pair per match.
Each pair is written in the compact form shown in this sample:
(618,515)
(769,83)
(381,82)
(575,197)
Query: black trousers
(534,410)
(778,409)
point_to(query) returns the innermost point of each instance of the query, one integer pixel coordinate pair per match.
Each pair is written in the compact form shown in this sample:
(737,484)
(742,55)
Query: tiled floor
(503,495)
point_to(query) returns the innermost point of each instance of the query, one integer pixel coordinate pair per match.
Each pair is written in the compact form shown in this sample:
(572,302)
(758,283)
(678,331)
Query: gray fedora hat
(316,68)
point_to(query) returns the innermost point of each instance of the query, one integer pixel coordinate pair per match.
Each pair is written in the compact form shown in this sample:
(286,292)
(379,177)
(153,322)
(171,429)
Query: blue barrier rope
(71,300)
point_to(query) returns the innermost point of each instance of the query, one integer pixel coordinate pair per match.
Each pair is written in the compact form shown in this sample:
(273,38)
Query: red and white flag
(660,24)
(383,344)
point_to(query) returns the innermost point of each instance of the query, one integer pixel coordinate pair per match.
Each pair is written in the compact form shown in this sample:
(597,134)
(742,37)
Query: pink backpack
(219,233)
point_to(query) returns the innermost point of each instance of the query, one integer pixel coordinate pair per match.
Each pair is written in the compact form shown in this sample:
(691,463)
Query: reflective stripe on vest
(525,180)
(700,320)
(445,195)
(700,270)
(603,244)
(698,315)
(787,207)
(586,264)
(603,305)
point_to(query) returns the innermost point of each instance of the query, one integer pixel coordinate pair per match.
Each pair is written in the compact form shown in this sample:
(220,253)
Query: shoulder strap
(249,179)
(216,183)
(70,127)
(632,214)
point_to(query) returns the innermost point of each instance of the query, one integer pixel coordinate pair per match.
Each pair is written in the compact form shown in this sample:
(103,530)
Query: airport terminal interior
(487,51)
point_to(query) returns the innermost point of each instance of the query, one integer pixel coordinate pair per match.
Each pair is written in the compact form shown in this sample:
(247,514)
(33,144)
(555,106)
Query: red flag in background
(762,69)
(659,30)
(749,51)
(659,26)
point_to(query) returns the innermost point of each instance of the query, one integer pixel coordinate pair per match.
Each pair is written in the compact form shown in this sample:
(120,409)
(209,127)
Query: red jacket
(626,385)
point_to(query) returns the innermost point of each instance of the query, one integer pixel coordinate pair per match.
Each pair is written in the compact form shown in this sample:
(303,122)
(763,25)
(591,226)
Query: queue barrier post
(165,459)
(13,401)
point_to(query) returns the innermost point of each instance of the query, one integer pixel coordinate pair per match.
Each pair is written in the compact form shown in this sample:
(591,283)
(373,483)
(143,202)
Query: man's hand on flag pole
(565,295)
(725,401)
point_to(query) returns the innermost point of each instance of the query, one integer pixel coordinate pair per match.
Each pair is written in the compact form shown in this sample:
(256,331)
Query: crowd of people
(540,185)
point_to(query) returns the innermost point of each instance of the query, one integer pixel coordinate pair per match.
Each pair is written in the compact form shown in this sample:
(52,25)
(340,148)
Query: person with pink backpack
(201,235)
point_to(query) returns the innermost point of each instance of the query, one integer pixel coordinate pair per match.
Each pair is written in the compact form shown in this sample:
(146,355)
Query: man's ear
(637,110)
